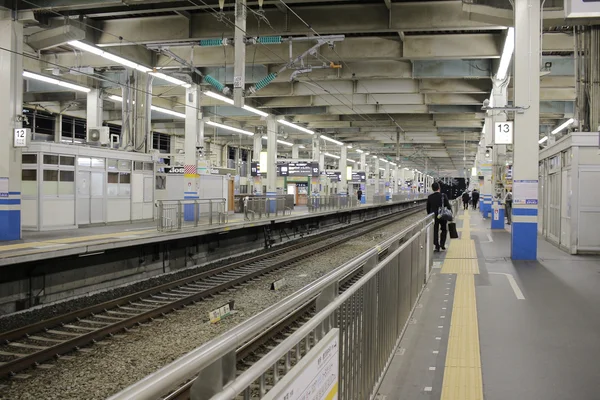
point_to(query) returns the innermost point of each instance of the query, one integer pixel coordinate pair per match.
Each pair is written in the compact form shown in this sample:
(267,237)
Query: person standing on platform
(508,200)
(475,198)
(359,195)
(435,201)
(466,198)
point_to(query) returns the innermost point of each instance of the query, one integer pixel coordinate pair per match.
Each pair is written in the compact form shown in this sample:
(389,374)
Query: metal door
(553,210)
(83,197)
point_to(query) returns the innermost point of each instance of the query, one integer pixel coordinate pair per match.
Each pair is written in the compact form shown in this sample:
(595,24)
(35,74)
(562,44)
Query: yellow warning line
(462,372)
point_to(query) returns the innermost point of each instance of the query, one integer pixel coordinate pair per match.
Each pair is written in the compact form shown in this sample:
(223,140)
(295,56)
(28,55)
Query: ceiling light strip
(563,126)
(47,79)
(332,140)
(230,128)
(291,125)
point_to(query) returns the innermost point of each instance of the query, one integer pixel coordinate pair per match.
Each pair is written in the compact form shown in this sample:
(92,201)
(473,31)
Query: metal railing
(265,207)
(379,199)
(331,202)
(371,317)
(175,215)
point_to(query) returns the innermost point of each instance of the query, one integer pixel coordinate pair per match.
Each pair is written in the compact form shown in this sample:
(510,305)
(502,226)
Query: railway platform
(490,328)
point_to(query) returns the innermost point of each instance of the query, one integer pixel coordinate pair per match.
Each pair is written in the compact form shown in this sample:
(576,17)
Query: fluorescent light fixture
(331,140)
(542,140)
(109,56)
(349,146)
(382,169)
(375,157)
(291,125)
(166,111)
(383,159)
(359,151)
(473,171)
(116,98)
(394,164)
(255,111)
(219,97)
(507,52)
(87,47)
(367,153)
(47,79)
(563,126)
(279,141)
(230,128)
(349,160)
(406,168)
(332,155)
(171,79)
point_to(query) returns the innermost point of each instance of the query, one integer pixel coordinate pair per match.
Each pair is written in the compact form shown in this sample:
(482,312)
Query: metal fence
(265,207)
(371,317)
(332,202)
(175,215)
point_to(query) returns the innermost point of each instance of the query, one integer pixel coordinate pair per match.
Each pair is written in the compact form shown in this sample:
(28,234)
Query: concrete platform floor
(538,327)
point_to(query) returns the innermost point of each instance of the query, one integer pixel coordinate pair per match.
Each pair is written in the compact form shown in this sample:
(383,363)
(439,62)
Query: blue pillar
(486,205)
(524,233)
(497,215)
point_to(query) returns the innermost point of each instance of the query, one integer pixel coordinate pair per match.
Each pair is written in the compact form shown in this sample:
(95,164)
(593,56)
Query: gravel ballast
(113,364)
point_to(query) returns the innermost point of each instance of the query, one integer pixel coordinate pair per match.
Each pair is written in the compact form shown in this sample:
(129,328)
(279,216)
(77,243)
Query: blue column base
(188,209)
(272,204)
(498,219)
(363,199)
(10,225)
(524,241)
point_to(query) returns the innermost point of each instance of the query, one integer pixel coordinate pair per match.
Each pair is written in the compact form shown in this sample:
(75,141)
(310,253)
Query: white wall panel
(118,210)
(58,212)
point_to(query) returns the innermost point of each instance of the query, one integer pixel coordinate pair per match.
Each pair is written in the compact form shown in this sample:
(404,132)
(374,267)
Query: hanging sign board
(525,192)
(358,177)
(298,168)
(254,169)
(315,377)
(503,132)
(335,176)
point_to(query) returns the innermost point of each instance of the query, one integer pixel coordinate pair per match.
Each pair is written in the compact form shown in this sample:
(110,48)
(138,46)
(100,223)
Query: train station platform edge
(487,327)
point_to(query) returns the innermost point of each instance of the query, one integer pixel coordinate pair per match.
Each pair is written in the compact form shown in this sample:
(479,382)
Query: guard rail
(265,207)
(175,215)
(331,202)
(371,317)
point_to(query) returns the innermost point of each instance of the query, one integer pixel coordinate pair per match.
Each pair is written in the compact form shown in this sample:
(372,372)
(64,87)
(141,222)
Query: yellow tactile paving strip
(460,266)
(464,248)
(462,372)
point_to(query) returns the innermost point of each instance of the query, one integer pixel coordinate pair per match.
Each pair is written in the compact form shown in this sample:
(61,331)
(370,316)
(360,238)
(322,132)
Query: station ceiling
(408,79)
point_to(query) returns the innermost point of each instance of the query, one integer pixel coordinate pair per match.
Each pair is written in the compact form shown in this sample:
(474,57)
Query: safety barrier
(175,215)
(265,207)
(331,202)
(370,318)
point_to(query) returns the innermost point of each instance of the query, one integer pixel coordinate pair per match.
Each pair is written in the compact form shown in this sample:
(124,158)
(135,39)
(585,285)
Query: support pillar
(256,150)
(377,174)
(526,153)
(295,151)
(193,123)
(272,160)
(58,128)
(11,110)
(343,184)
(94,109)
(363,162)
(141,110)
(239,67)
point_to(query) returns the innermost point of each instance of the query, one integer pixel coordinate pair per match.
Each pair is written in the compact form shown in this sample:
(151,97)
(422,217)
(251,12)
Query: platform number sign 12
(21,137)
(503,132)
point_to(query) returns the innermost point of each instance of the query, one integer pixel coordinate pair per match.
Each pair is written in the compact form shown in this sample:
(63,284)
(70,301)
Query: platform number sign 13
(503,132)
(21,137)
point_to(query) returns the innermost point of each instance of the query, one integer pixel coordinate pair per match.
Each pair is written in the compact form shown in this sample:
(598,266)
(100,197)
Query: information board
(358,177)
(315,377)
(525,192)
(254,168)
(298,168)
(335,176)
(503,132)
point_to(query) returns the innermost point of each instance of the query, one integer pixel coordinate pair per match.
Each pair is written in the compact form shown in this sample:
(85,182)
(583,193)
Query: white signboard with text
(525,192)
(21,137)
(315,377)
(503,132)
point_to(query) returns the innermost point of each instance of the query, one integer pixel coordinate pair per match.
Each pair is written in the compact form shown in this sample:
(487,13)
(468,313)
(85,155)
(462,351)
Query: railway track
(31,345)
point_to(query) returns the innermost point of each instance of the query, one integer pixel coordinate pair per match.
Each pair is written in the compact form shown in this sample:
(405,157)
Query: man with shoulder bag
(439,204)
